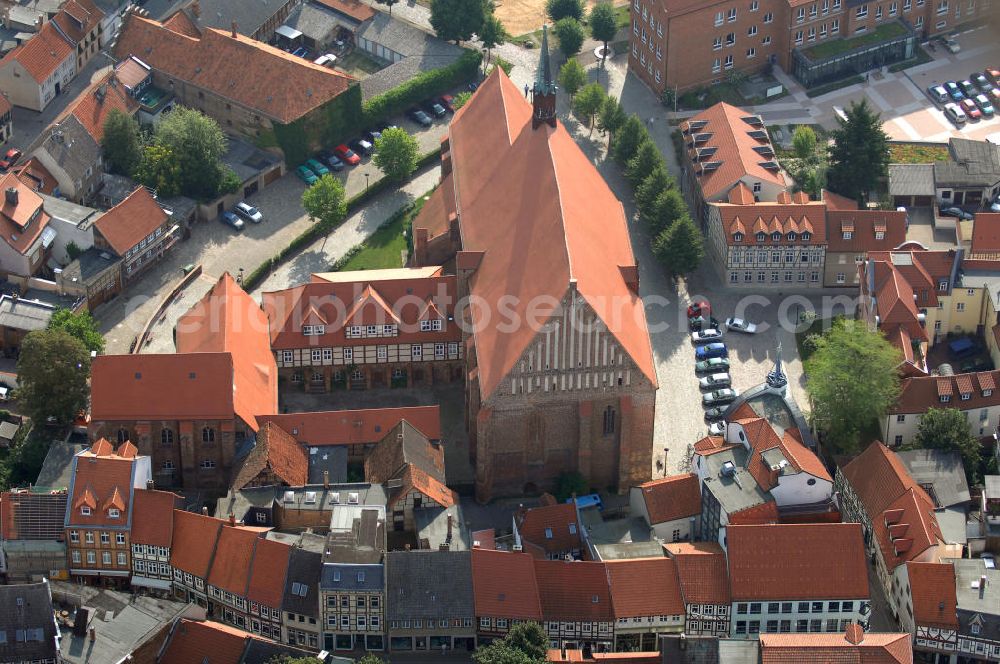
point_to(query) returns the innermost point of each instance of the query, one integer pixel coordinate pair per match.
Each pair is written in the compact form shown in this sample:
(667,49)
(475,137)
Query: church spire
(543,94)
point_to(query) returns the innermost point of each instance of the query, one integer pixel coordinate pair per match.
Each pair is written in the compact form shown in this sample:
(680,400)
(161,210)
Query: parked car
(434,108)
(361,146)
(248,212)
(954,91)
(994,96)
(980,81)
(989,560)
(995,205)
(938,94)
(951,44)
(448,102)
(725,395)
(326,60)
(419,117)
(382,126)
(319,169)
(301,52)
(372,135)
(332,160)
(347,155)
(968,88)
(716,428)
(306,175)
(741,325)
(10,158)
(231,219)
(993,74)
(971,110)
(705,336)
(713,364)
(709,351)
(699,308)
(715,380)
(956,212)
(984,104)
(715,413)
(702,323)
(954,113)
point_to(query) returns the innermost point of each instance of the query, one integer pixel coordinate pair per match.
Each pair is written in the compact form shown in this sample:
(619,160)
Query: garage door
(272,175)
(923,201)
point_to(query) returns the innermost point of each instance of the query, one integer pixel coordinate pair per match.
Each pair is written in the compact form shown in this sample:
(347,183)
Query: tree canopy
(325,202)
(492,34)
(588,102)
(853,380)
(655,183)
(80,326)
(680,247)
(572,76)
(611,117)
(570,34)
(603,25)
(396,154)
(52,372)
(804,142)
(629,138)
(859,156)
(457,20)
(121,143)
(643,162)
(668,207)
(947,429)
(525,643)
(560,9)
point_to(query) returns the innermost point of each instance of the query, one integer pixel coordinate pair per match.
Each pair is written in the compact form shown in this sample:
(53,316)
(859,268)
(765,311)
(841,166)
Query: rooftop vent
(728,469)
(289,496)
(352,498)
(10,195)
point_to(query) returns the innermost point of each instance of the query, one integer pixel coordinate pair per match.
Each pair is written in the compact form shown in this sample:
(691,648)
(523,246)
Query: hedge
(314,232)
(420,87)
(835,85)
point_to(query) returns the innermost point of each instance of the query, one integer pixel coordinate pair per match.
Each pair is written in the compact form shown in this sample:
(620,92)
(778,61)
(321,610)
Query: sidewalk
(322,253)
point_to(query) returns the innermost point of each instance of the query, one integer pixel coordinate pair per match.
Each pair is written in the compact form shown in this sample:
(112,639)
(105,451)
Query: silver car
(716,428)
(725,395)
(741,325)
(248,212)
(705,336)
(715,380)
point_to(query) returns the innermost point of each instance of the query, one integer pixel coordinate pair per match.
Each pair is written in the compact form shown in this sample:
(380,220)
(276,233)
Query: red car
(699,308)
(347,155)
(10,159)
(971,109)
(993,74)
(448,102)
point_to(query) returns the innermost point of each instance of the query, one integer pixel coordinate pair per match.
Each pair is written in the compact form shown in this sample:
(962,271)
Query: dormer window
(737,237)
(761,237)
(113,513)
(945,398)
(848,235)
(548,533)
(776,236)
(943,285)
(85,511)
(879,235)
(791,236)
(987,393)
(966,396)
(806,236)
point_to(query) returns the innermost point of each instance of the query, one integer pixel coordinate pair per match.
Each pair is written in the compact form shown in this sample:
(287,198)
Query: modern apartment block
(681,44)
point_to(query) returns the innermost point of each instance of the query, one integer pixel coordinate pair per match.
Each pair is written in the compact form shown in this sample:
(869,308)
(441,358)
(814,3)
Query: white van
(954,113)
(326,60)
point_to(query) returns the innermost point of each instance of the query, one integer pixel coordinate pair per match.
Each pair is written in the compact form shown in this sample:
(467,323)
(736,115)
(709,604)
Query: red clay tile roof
(78,18)
(757,515)
(42,54)
(93,106)
(631,581)
(566,206)
(878,477)
(986,235)
(131,72)
(712,444)
(15,219)
(504,585)
(403,445)
(371,300)
(353,8)
(193,542)
(534,524)
(131,221)
(275,450)
(181,23)
(702,572)
(574,591)
(797,561)
(102,479)
(836,202)
(762,437)
(672,497)
(197,641)
(228,320)
(415,479)
(769,218)
(873,648)
(729,134)
(932,588)
(231,563)
(269,568)
(283,87)
(892,224)
(35,176)
(918,394)
(153,517)
(351,427)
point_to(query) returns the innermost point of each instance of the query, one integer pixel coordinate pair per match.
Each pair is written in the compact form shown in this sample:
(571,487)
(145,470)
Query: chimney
(233,33)
(326,479)
(204,511)
(149,485)
(232,519)
(451,520)
(855,633)
(982,586)
(10,195)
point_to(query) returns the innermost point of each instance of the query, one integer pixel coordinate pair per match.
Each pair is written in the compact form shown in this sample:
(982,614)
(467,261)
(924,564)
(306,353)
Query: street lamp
(367,175)
(665,451)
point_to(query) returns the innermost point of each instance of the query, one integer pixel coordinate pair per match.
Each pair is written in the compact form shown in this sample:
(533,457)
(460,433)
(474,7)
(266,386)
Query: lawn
(705,97)
(358,65)
(914,153)
(384,249)
(838,46)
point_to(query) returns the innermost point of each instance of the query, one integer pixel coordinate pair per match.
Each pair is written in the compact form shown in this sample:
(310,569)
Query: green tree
(396,154)
(947,429)
(668,208)
(804,142)
(121,143)
(629,138)
(603,25)
(811,182)
(367,659)
(492,34)
(325,202)
(611,117)
(197,144)
(52,372)
(569,483)
(560,9)
(859,156)
(644,162)
(80,326)
(570,34)
(461,99)
(500,652)
(656,182)
(387,3)
(160,170)
(852,380)
(572,77)
(588,103)
(529,638)
(680,247)
(457,20)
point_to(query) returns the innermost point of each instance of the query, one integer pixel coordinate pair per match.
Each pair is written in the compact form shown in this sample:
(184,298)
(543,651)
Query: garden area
(917,153)
(835,47)
(387,246)
(358,64)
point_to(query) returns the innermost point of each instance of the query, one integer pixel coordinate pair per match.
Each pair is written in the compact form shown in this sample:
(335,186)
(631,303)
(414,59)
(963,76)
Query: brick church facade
(559,366)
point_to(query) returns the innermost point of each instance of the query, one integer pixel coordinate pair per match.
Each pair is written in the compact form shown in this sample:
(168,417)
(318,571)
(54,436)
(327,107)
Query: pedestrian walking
(525,90)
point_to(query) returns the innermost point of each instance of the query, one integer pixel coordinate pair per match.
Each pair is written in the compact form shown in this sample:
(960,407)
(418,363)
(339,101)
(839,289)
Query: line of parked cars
(241,213)
(712,360)
(972,99)
(433,108)
(341,156)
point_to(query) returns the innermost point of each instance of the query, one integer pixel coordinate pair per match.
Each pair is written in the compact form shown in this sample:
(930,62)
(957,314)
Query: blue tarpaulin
(960,346)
